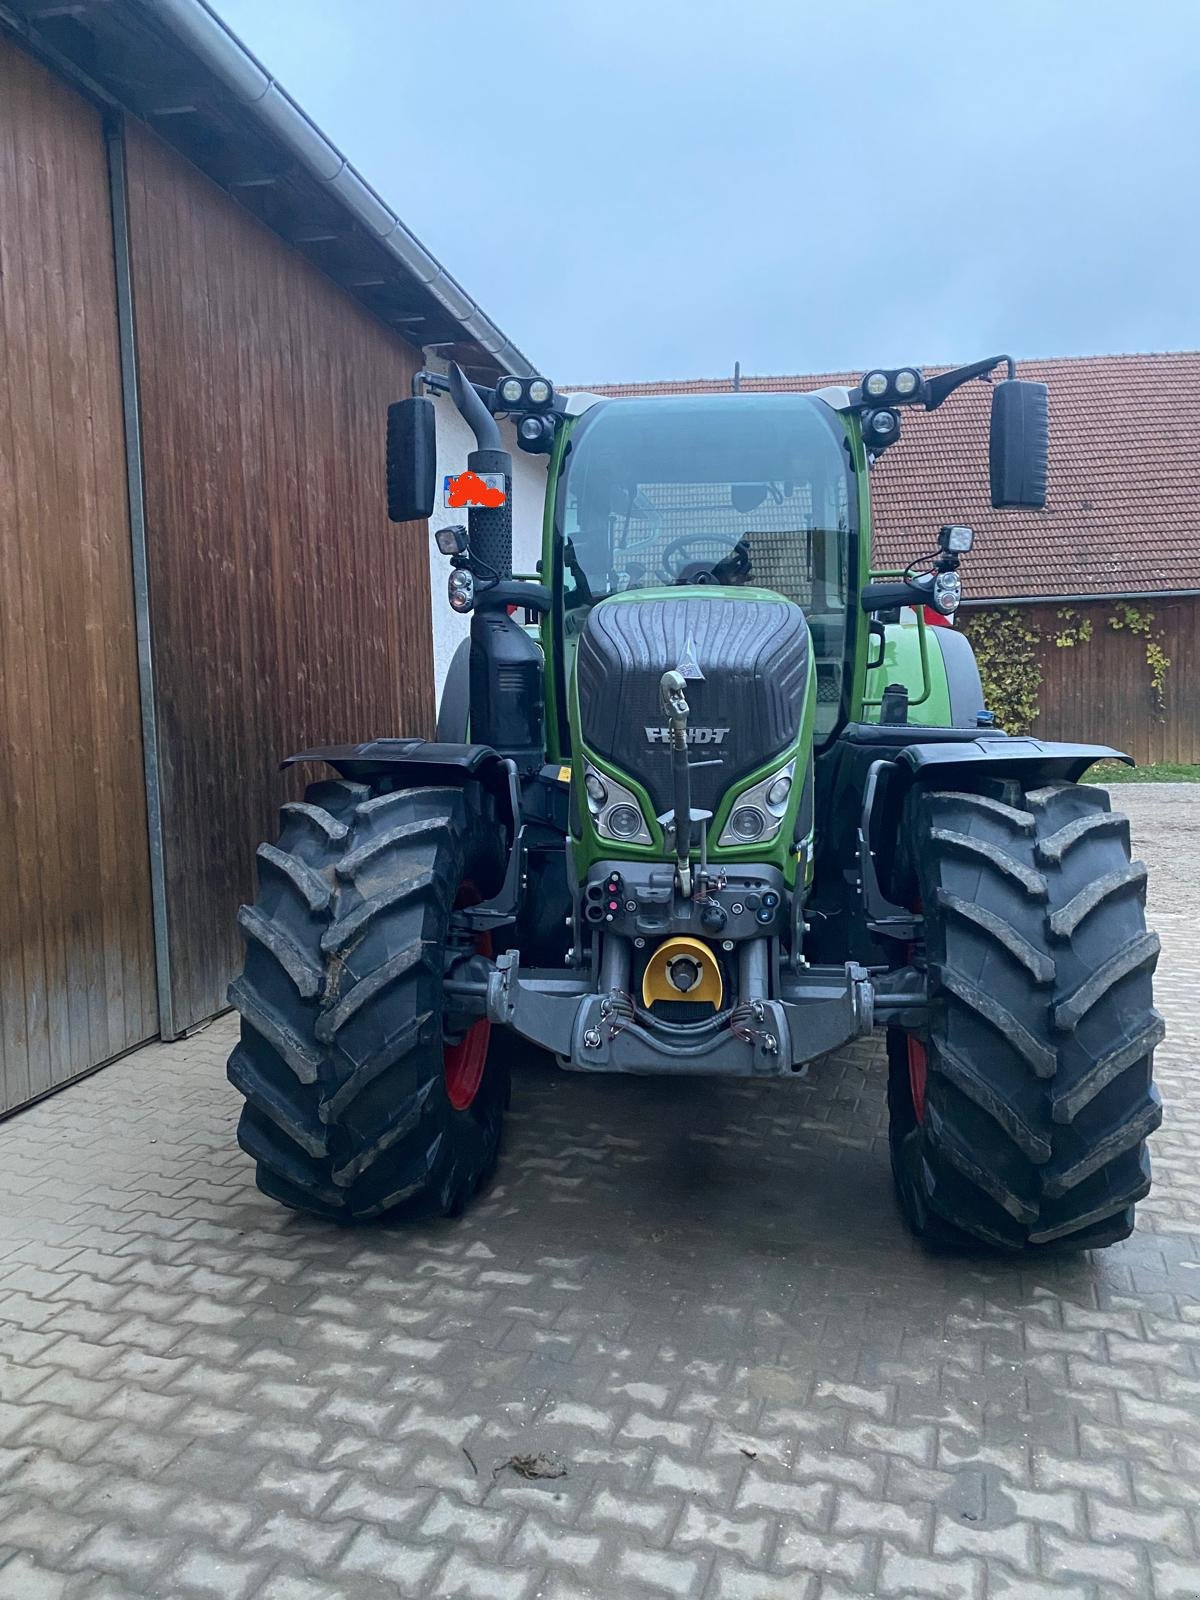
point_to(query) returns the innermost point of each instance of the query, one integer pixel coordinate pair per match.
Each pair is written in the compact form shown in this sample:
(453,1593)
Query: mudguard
(419,761)
(1045,757)
(862,778)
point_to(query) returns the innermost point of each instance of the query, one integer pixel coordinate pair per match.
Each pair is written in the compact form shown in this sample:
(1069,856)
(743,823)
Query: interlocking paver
(697,1295)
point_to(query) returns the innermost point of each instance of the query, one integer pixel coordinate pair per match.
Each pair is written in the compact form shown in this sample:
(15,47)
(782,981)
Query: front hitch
(672,688)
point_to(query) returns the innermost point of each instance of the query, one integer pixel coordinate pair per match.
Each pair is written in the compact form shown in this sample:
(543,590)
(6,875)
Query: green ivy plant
(1072,628)
(1134,620)
(1006,650)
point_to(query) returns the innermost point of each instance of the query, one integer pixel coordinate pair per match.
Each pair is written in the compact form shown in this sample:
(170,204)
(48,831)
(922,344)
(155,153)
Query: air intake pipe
(489,528)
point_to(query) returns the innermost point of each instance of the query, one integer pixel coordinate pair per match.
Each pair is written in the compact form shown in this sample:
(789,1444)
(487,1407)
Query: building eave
(178,67)
(975,603)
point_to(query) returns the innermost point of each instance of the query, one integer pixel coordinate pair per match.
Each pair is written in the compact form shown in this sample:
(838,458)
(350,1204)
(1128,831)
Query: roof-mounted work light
(525,394)
(536,435)
(901,386)
(875,385)
(880,428)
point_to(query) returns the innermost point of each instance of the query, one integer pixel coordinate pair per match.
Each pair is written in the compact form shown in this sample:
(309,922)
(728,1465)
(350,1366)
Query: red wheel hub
(917,1069)
(463,1062)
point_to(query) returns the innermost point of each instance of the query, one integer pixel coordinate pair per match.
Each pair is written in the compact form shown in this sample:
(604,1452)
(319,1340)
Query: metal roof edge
(215,43)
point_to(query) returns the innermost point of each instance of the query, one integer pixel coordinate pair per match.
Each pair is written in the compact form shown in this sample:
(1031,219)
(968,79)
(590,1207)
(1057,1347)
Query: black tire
(341,1055)
(1038,1051)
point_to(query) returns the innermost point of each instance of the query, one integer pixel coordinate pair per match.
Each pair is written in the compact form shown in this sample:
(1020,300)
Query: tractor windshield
(734,489)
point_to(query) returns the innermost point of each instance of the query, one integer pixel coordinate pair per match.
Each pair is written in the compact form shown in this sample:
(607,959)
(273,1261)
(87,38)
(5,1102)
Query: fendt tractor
(707,795)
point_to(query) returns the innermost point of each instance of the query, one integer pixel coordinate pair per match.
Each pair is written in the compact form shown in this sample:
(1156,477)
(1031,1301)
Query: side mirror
(411,459)
(1018,444)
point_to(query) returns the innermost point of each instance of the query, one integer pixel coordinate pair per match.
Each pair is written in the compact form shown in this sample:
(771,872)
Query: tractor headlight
(460,591)
(880,428)
(747,824)
(778,793)
(511,391)
(758,812)
(536,434)
(624,821)
(614,809)
(906,383)
(540,392)
(875,385)
(947,592)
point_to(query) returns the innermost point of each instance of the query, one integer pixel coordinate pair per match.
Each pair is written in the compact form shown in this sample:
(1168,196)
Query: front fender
(1022,757)
(418,762)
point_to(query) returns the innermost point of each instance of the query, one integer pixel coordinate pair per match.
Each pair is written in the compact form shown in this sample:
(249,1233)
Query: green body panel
(928,689)
(858,625)
(552,642)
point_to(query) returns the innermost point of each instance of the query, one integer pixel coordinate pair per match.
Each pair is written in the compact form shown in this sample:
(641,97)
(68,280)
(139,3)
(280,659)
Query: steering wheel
(679,570)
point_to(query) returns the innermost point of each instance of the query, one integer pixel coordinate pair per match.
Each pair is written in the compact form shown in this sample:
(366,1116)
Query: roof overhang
(180,69)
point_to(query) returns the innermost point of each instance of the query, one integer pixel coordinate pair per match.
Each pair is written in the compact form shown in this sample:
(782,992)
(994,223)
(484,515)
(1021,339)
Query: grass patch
(1107,772)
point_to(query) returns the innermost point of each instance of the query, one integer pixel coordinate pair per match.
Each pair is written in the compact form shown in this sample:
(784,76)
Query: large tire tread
(1041,1030)
(340,1059)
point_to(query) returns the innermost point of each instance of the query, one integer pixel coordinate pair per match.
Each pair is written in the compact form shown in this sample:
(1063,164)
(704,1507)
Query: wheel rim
(464,1060)
(463,1064)
(918,1067)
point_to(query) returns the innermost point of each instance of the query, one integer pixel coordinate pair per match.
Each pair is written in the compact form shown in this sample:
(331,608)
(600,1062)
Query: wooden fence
(1099,686)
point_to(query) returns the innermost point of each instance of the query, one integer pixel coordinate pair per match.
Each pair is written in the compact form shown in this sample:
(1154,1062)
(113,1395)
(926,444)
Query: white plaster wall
(454,441)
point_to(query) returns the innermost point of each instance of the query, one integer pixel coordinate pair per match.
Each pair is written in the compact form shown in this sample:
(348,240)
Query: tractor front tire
(362,1094)
(1020,1110)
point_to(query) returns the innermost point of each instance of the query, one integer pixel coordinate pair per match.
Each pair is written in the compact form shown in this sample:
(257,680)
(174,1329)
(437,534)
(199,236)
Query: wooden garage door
(287,611)
(76,946)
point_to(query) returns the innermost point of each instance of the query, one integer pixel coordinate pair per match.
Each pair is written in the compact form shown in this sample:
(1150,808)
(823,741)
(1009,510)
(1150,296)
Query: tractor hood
(745,656)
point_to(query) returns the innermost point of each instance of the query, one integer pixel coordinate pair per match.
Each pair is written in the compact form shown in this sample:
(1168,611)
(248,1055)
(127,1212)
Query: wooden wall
(1100,691)
(76,947)
(287,611)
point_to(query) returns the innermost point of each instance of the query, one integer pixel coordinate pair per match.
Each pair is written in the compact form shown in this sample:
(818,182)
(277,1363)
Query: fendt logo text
(695,735)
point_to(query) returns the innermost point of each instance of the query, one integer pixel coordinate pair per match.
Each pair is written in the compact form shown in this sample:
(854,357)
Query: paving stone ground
(698,1297)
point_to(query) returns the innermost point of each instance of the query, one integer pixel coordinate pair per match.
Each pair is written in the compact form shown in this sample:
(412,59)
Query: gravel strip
(1165,823)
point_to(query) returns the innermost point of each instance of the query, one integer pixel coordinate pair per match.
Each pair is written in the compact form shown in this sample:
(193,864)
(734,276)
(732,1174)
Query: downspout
(114,138)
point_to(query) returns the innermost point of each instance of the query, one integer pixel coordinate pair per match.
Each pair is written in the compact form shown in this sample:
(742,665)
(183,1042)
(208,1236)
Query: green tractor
(707,795)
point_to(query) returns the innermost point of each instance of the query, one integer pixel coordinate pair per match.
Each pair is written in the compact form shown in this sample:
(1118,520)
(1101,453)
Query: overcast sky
(639,189)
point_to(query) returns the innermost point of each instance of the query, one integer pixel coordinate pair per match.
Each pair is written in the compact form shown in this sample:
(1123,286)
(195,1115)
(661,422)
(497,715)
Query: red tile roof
(1123,508)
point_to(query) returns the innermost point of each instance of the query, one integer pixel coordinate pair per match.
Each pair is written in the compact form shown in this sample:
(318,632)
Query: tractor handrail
(873,574)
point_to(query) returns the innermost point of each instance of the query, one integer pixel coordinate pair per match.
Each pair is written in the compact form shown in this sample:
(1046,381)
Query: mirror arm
(940,388)
(444,383)
(874,597)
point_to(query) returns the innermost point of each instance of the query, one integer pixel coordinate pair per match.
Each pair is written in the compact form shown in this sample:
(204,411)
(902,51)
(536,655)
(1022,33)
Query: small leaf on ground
(533,1467)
